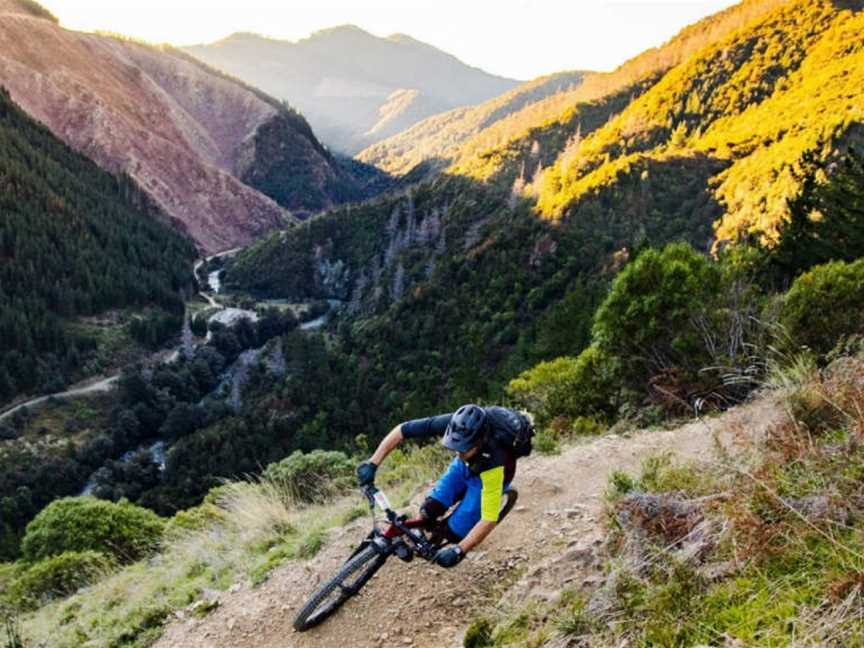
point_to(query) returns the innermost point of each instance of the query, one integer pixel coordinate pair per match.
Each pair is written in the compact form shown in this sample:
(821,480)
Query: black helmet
(465,429)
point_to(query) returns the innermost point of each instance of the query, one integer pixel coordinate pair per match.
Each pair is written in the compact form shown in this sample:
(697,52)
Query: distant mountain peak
(241,36)
(343,79)
(27,8)
(340,30)
(403,38)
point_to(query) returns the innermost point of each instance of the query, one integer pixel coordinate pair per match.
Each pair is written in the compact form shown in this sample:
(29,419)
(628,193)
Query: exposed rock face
(185,133)
(354,87)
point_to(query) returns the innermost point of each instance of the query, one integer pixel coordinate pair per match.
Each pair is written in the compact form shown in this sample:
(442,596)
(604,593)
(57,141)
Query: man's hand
(449,556)
(366,474)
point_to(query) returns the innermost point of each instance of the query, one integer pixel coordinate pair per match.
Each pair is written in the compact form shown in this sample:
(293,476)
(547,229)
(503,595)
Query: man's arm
(490,507)
(387,445)
(476,535)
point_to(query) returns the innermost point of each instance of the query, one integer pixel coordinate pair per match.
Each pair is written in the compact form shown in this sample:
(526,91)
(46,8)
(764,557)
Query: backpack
(512,430)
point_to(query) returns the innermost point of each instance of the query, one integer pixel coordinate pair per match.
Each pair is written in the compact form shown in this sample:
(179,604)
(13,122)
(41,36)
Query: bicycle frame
(410,531)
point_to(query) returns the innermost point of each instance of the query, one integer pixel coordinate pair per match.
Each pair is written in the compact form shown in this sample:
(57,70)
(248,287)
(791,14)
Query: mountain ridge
(183,132)
(346,62)
(454,142)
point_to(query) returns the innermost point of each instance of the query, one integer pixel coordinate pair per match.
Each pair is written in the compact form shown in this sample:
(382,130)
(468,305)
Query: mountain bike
(403,537)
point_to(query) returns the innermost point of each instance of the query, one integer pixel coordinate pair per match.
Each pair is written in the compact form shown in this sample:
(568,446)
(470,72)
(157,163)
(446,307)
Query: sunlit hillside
(755,101)
(473,135)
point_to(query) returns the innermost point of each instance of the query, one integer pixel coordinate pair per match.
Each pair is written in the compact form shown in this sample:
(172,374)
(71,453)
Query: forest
(74,241)
(168,403)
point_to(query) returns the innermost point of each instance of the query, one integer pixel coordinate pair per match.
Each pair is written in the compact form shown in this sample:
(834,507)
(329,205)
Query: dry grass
(241,533)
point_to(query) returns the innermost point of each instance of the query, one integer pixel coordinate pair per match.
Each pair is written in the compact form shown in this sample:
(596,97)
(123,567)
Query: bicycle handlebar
(376,497)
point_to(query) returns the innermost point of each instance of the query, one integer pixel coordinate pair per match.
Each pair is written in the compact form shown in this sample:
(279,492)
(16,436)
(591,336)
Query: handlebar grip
(369,492)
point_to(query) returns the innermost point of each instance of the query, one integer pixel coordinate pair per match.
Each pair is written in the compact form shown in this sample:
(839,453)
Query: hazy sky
(516,38)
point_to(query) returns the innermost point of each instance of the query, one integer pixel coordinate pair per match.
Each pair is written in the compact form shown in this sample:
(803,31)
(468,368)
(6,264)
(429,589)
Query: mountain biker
(476,479)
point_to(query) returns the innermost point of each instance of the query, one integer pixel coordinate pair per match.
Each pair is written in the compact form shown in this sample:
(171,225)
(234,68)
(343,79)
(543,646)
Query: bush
(569,387)
(825,304)
(313,477)
(647,320)
(58,576)
(126,531)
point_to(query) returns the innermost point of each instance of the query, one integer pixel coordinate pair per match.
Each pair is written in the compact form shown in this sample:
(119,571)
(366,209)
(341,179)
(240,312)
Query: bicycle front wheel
(354,574)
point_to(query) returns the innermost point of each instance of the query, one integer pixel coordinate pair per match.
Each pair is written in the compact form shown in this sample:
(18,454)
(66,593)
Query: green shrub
(825,304)
(58,576)
(570,387)
(647,319)
(194,519)
(316,476)
(126,531)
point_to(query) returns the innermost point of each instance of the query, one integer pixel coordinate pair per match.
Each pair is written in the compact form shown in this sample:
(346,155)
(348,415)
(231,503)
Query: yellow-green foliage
(758,99)
(812,109)
(568,387)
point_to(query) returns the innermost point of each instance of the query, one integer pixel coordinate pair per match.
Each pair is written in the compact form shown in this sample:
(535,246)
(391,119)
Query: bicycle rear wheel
(512,496)
(354,574)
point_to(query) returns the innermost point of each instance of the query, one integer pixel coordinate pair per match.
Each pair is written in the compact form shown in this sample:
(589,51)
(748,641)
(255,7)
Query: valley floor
(548,542)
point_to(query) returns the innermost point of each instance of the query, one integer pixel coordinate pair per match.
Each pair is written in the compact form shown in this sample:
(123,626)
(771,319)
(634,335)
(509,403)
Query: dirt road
(101,385)
(544,545)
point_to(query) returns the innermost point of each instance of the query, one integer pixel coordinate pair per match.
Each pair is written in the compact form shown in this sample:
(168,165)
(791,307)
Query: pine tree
(187,339)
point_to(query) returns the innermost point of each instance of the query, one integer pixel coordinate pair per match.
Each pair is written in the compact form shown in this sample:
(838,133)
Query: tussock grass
(788,563)
(241,533)
(532,624)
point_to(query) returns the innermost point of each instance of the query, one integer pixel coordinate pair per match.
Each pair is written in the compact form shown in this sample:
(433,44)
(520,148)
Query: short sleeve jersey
(494,465)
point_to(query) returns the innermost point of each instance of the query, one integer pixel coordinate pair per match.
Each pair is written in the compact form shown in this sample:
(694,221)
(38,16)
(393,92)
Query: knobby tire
(368,560)
(512,497)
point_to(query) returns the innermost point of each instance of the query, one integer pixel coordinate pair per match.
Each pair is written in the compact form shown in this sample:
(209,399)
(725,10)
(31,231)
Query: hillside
(435,140)
(474,136)
(552,541)
(74,242)
(224,161)
(455,287)
(751,89)
(355,88)
(754,101)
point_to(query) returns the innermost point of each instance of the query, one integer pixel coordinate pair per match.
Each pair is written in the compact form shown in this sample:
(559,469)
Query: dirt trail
(545,544)
(101,385)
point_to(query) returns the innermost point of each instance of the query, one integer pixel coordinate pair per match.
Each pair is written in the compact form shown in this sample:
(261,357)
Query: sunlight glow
(516,38)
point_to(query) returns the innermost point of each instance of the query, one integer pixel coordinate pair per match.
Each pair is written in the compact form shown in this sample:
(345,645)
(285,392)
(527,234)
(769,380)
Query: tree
(826,218)
(824,304)
(187,345)
(647,320)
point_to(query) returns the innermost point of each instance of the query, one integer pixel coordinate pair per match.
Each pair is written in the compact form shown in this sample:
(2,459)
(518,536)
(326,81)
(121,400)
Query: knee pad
(432,509)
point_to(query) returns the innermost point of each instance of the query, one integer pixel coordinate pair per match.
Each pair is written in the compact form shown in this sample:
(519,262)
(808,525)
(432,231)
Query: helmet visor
(457,442)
